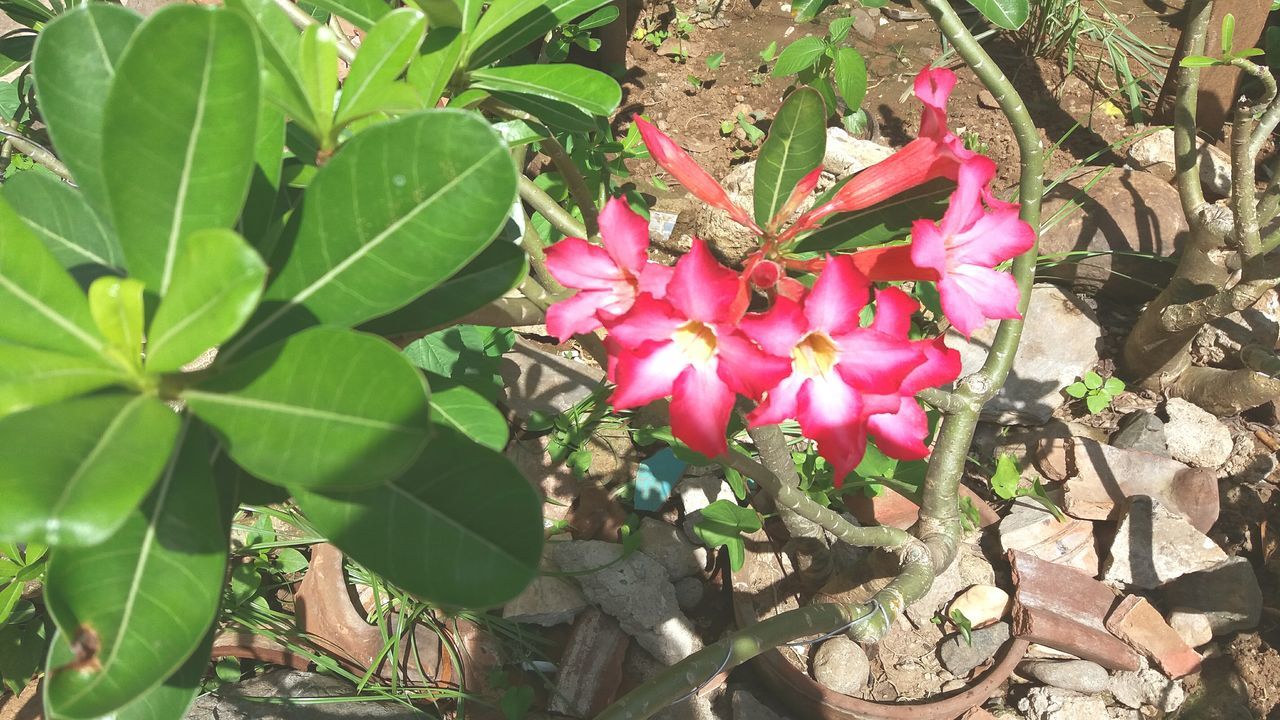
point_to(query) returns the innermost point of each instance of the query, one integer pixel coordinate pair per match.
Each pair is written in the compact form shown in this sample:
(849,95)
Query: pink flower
(836,364)
(687,346)
(609,277)
(964,248)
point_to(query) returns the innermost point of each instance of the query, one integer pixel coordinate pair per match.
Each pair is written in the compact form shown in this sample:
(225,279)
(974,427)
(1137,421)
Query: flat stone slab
(1155,545)
(1138,623)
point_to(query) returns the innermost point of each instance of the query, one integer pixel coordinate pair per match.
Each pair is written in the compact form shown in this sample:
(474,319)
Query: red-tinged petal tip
(705,290)
(700,407)
(625,235)
(576,263)
(576,315)
(838,295)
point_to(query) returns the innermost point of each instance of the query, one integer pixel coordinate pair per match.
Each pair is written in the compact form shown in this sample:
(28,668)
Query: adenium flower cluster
(687,332)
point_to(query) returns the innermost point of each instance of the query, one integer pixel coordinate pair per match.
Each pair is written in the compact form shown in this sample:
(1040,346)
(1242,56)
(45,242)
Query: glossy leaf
(798,56)
(31,377)
(40,305)
(181,116)
(392,215)
(72,472)
(559,115)
(807,10)
(795,147)
(318,72)
(362,13)
(467,411)
(509,25)
(117,309)
(1008,14)
(325,408)
(851,77)
(383,55)
(217,281)
(431,70)
(26,12)
(75,60)
(60,216)
(281,84)
(468,504)
(15,51)
(138,604)
(890,220)
(589,90)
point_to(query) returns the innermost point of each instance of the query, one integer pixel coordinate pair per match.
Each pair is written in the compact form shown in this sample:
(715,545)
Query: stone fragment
(536,380)
(970,567)
(664,543)
(1193,626)
(982,604)
(1031,528)
(689,592)
(1141,430)
(1196,437)
(699,491)
(1138,623)
(1066,610)
(1154,545)
(634,590)
(1102,477)
(547,601)
(1146,687)
(747,707)
(1228,594)
(1154,153)
(1050,703)
(245,700)
(960,658)
(1079,676)
(1059,343)
(591,668)
(841,665)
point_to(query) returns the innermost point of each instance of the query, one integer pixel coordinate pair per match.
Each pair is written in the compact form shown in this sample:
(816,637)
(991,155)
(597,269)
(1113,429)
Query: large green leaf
(31,377)
(392,215)
(27,12)
(509,25)
(430,71)
(59,215)
(796,144)
(887,221)
(468,412)
(279,41)
(590,90)
(1008,14)
(478,515)
(384,54)
(180,116)
(133,608)
(217,281)
(362,13)
(499,268)
(71,473)
(15,51)
(559,115)
(799,55)
(325,408)
(74,63)
(40,305)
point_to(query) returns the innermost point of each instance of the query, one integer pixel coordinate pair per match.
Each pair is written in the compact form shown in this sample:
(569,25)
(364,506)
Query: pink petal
(779,329)
(625,235)
(891,264)
(997,236)
(654,278)
(649,319)
(894,309)
(928,247)
(941,366)
(874,362)
(933,86)
(965,205)
(705,290)
(792,289)
(747,369)
(901,434)
(646,374)
(780,402)
(576,263)
(676,161)
(971,295)
(837,297)
(830,412)
(576,315)
(700,408)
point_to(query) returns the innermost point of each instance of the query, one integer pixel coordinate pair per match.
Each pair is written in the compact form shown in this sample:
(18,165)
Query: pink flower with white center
(835,363)
(609,278)
(964,248)
(687,345)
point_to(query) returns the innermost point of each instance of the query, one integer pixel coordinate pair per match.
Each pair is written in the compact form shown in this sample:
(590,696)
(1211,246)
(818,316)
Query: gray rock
(1154,153)
(636,591)
(243,700)
(1059,343)
(846,154)
(699,491)
(1079,676)
(1196,437)
(1050,703)
(1154,546)
(960,658)
(747,707)
(841,665)
(1228,594)
(1141,430)
(970,567)
(1193,626)
(547,601)
(865,22)
(1146,687)
(545,382)
(665,543)
(689,592)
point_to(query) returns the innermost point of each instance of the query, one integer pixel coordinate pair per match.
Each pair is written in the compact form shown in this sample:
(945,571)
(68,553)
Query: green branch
(38,153)
(539,200)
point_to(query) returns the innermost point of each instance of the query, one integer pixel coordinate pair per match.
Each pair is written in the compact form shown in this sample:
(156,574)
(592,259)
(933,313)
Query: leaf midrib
(299,411)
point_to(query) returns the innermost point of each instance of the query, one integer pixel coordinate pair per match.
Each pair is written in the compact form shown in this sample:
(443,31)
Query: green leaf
(40,305)
(1228,37)
(466,411)
(1097,403)
(509,25)
(851,77)
(890,220)
(362,13)
(1192,61)
(9,100)
(466,354)
(31,377)
(559,115)
(722,524)
(1076,390)
(486,536)
(180,116)
(217,280)
(317,68)
(798,56)
(116,306)
(1008,14)
(75,60)
(796,144)
(806,10)
(26,12)
(1113,386)
(15,51)
(430,71)
(839,29)
(1007,477)
(1092,380)
(384,54)
(392,215)
(72,472)
(714,60)
(325,408)
(589,90)
(138,604)
(60,216)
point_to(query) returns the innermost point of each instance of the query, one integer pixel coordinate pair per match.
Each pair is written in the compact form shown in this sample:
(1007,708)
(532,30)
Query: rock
(747,707)
(1049,703)
(841,664)
(865,21)
(1031,528)
(1141,430)
(968,568)
(591,667)
(960,658)
(1196,437)
(982,604)
(1154,154)
(1131,222)
(1154,545)
(636,591)
(689,592)
(664,543)
(699,491)
(1146,687)
(1228,594)
(1193,626)
(244,700)
(987,100)
(549,383)
(1138,623)
(846,155)
(1059,343)
(547,601)
(1079,676)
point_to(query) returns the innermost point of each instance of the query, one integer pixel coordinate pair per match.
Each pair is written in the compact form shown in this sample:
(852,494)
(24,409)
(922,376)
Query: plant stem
(775,455)
(531,241)
(38,153)
(1186,159)
(539,200)
(576,182)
